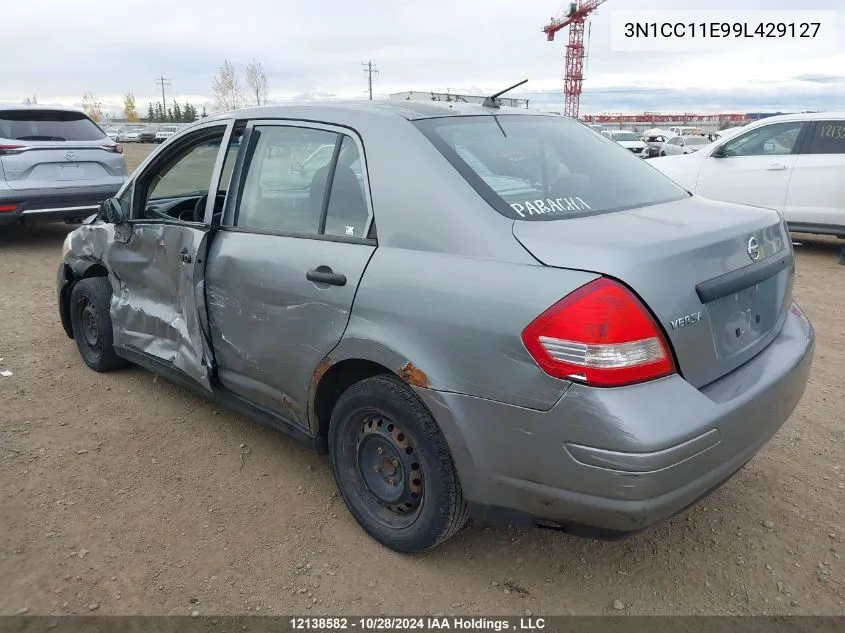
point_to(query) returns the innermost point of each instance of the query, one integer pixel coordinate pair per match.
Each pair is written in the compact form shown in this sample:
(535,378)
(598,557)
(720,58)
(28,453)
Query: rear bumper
(614,461)
(54,204)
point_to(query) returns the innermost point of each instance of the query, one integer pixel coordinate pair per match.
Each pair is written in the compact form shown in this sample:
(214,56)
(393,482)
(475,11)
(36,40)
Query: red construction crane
(574,77)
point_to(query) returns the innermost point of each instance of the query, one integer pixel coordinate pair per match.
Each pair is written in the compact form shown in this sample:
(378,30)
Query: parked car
(654,138)
(686,131)
(635,345)
(683,145)
(55,163)
(165,132)
(129,134)
(145,135)
(113,133)
(629,140)
(792,163)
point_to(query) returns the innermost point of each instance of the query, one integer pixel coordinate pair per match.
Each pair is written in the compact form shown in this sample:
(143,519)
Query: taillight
(600,335)
(7,208)
(10,149)
(117,148)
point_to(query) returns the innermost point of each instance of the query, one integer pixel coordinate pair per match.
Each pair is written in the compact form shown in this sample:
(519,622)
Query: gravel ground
(124,494)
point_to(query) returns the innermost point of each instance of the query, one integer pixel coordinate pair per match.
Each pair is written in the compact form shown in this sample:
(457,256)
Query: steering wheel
(199,208)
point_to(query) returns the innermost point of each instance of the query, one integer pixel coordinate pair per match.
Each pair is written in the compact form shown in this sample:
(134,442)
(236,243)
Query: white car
(113,133)
(793,163)
(683,145)
(129,135)
(628,140)
(685,131)
(165,132)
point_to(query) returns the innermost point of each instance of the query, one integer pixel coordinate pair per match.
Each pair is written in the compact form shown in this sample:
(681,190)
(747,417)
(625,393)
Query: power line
(163,81)
(372,73)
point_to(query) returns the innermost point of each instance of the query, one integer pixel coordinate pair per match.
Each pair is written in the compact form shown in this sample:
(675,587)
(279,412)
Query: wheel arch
(73,271)
(356,359)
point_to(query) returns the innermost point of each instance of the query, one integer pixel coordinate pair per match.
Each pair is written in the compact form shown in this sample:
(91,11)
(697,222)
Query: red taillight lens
(116,148)
(600,335)
(9,149)
(7,208)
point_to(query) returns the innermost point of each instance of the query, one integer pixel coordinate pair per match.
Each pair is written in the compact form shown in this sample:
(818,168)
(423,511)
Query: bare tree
(256,82)
(92,107)
(227,88)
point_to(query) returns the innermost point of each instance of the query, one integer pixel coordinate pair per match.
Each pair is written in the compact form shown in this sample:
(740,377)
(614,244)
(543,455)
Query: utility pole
(372,73)
(163,81)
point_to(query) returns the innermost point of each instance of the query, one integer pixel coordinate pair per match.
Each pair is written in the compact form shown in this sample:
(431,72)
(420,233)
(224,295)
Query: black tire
(90,301)
(380,422)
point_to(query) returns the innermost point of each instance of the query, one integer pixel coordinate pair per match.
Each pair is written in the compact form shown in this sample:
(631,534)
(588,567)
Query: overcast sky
(57,50)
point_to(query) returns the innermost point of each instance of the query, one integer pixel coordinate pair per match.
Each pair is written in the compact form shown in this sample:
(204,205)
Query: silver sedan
(473,310)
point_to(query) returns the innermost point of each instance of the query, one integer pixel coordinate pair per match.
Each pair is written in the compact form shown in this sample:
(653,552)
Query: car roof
(802,116)
(410,110)
(37,106)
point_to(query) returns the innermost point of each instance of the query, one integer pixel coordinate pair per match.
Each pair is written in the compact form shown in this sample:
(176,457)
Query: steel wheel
(393,466)
(388,466)
(91,326)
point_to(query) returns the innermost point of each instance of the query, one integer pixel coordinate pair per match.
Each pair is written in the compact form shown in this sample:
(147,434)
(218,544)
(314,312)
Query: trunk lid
(44,164)
(690,262)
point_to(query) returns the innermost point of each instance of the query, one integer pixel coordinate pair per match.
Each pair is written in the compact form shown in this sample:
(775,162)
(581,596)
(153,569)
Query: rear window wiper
(40,138)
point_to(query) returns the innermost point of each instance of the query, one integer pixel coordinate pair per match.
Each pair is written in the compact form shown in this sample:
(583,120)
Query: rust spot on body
(322,367)
(319,372)
(414,376)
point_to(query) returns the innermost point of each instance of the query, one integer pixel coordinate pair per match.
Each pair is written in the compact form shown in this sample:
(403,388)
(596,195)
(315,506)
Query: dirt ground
(124,494)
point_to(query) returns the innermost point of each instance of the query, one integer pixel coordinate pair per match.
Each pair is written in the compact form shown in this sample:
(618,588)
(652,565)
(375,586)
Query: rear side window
(828,138)
(304,181)
(48,125)
(546,168)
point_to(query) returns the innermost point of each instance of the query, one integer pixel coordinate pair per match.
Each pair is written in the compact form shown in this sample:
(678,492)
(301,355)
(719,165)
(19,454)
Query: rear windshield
(48,125)
(546,167)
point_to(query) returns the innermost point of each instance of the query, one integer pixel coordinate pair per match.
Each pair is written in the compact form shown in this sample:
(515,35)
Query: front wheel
(393,467)
(90,301)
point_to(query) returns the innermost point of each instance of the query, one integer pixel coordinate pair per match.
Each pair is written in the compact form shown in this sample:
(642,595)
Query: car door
(285,265)
(753,168)
(158,257)
(673,147)
(816,196)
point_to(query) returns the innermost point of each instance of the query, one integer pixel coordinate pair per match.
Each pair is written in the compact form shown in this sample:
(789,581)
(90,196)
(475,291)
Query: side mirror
(112,212)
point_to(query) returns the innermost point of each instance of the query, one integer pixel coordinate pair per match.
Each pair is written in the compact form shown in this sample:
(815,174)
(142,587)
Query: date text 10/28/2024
(422,623)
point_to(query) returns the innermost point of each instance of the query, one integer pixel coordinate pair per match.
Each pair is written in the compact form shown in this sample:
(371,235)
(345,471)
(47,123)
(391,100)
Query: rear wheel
(393,467)
(90,301)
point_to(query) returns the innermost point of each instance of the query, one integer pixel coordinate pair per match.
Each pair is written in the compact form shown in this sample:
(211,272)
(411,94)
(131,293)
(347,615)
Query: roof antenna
(492,100)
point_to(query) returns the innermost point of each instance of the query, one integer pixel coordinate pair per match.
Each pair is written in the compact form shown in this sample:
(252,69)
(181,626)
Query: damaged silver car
(473,310)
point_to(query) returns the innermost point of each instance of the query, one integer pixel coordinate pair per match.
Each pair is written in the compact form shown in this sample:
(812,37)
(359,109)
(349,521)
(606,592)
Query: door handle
(186,256)
(325,275)
(776,167)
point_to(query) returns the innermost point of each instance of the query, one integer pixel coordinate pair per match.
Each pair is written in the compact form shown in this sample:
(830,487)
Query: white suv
(165,132)
(793,163)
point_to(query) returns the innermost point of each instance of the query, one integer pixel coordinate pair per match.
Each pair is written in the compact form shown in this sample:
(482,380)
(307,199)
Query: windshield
(625,136)
(546,168)
(48,125)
